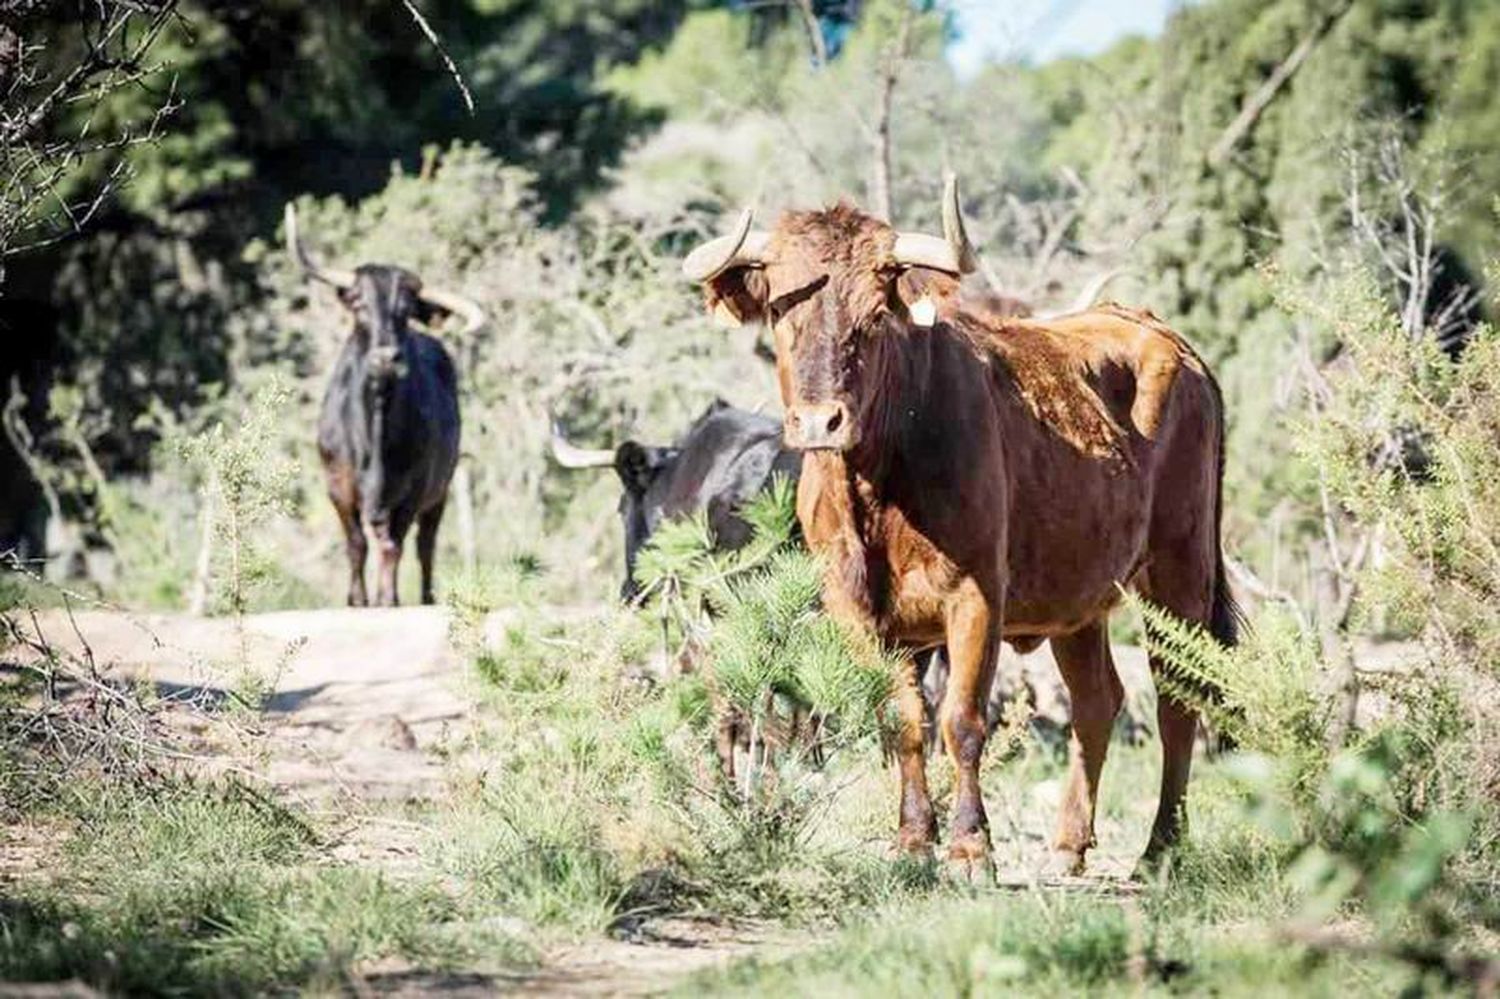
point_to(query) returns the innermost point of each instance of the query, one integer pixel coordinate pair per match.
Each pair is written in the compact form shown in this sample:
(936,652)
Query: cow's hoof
(1063,864)
(914,838)
(973,872)
(969,863)
(1154,866)
(913,848)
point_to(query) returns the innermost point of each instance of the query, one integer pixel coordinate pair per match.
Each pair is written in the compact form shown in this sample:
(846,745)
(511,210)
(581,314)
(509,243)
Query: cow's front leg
(918,824)
(972,626)
(357,548)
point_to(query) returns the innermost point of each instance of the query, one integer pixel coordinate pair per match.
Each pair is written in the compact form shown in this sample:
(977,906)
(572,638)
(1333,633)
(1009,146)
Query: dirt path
(357,699)
(653,961)
(364,709)
(364,701)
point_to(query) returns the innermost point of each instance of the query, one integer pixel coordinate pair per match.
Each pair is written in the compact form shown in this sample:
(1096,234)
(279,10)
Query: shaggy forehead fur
(852,248)
(382,286)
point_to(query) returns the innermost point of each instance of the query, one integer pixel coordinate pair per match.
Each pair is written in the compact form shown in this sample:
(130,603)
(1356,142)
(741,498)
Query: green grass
(193,889)
(1044,943)
(597,797)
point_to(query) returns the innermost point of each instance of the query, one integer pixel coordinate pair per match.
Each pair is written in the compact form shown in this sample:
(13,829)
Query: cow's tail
(1224,615)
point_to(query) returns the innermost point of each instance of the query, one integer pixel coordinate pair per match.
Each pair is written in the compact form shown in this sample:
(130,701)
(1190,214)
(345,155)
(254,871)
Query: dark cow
(969,478)
(726,458)
(389,431)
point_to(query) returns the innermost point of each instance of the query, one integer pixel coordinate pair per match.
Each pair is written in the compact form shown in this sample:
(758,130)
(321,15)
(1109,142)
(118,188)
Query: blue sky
(1044,29)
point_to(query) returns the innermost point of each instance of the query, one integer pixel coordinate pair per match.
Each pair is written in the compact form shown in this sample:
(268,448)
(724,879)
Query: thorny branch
(64,716)
(54,133)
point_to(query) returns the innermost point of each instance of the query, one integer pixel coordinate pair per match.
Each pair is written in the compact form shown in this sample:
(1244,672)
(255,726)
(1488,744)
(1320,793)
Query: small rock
(398,735)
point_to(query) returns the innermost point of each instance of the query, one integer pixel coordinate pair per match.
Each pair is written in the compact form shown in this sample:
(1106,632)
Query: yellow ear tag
(724,317)
(924,312)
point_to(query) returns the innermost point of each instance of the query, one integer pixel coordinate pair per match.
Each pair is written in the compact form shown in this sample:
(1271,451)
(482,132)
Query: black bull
(726,458)
(388,434)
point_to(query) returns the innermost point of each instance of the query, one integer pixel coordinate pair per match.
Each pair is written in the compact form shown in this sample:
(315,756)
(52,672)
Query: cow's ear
(736,297)
(633,466)
(426,313)
(915,295)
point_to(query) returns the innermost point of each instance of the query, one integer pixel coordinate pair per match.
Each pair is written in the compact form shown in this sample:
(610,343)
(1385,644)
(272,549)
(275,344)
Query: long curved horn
(1089,294)
(741,248)
(568,455)
(953,253)
(457,304)
(954,230)
(337,278)
(1094,288)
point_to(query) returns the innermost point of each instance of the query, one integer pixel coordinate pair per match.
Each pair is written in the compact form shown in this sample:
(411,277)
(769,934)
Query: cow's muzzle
(385,363)
(820,426)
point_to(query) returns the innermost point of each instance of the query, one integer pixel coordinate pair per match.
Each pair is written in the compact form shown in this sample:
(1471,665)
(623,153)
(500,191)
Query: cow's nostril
(836,420)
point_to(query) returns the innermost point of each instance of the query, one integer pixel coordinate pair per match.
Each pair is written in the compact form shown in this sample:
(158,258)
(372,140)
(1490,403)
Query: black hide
(724,459)
(389,430)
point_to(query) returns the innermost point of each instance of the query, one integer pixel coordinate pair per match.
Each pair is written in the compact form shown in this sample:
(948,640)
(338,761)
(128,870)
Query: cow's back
(1111,426)
(725,460)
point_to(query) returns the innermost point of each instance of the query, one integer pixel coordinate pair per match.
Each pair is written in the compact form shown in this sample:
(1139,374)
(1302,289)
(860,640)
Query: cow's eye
(779,306)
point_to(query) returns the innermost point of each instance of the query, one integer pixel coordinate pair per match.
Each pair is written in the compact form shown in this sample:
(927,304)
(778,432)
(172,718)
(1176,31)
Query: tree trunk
(882,205)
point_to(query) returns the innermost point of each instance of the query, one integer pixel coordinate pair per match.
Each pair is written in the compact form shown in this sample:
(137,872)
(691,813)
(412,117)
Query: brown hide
(985,477)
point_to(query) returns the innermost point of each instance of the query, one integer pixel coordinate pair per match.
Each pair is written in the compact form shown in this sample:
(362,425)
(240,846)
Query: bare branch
(814,32)
(432,37)
(1256,104)
(51,125)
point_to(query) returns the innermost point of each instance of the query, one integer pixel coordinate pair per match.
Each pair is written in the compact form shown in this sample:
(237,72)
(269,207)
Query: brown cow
(970,478)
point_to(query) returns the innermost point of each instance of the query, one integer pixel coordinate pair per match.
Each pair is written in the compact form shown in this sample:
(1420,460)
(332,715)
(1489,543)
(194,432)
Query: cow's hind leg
(1181,582)
(973,640)
(390,535)
(1094,687)
(427,528)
